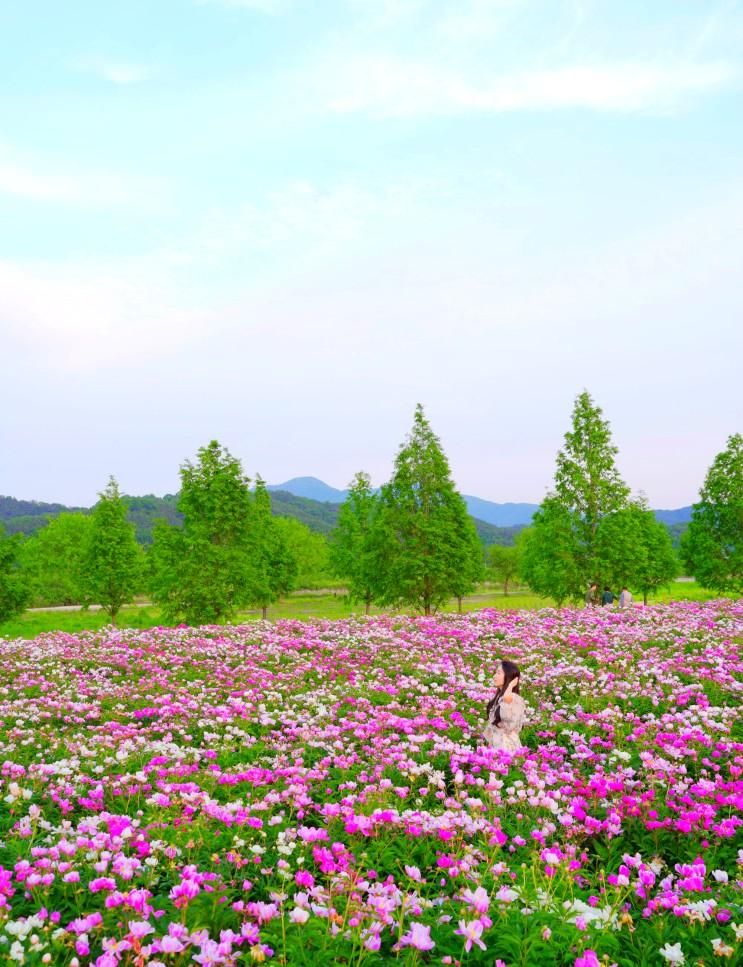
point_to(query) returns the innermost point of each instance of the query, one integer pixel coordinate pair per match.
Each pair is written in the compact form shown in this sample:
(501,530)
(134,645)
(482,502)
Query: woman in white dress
(506,710)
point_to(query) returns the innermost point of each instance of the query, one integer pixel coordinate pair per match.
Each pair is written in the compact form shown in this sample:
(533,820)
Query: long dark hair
(510,671)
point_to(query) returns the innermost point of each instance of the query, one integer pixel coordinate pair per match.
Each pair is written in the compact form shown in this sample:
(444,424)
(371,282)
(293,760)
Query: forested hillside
(28,516)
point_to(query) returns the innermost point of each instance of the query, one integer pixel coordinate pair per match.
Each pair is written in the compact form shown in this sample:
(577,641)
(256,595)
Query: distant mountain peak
(313,488)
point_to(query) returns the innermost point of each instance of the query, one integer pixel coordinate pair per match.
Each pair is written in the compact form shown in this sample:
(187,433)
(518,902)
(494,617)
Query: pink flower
(472,932)
(589,959)
(419,936)
(102,883)
(477,899)
(170,945)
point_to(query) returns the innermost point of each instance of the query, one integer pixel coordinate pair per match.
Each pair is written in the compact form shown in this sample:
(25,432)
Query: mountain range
(501,515)
(306,499)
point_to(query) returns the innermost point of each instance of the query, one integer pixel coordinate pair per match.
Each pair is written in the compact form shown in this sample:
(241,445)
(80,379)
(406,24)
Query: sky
(282,223)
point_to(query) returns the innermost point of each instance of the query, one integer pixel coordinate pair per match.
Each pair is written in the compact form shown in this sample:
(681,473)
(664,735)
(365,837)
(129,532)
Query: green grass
(305,605)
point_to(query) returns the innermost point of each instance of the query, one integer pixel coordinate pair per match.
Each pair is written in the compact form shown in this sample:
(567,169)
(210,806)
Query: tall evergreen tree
(112,561)
(712,546)
(562,550)
(275,566)
(422,540)
(204,571)
(14,591)
(351,555)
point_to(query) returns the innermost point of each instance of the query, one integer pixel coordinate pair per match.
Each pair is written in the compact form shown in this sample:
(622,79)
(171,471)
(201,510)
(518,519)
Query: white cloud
(390,87)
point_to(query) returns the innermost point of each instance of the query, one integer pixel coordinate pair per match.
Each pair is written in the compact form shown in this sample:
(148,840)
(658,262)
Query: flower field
(318,794)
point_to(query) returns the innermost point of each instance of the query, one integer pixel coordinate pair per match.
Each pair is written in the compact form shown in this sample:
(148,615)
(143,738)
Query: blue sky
(282,223)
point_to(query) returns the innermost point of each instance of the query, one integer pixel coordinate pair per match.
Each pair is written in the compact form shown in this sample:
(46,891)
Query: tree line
(413,543)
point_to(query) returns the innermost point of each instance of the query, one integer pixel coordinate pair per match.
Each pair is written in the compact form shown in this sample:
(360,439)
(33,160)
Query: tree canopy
(14,592)
(112,560)
(351,554)
(424,543)
(712,546)
(205,570)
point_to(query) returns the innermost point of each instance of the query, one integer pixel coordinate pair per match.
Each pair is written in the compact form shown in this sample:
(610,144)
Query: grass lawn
(304,605)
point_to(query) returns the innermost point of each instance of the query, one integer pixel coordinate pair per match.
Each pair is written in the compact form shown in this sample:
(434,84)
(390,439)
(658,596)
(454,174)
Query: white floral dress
(505,735)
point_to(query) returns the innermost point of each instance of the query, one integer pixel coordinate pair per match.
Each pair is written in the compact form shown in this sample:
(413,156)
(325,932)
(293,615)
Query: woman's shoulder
(519,700)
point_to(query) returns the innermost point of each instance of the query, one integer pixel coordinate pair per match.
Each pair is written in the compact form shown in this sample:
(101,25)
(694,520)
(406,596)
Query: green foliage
(351,554)
(587,481)
(53,560)
(144,511)
(548,560)
(112,561)
(504,564)
(308,550)
(319,516)
(14,592)
(204,571)
(634,549)
(275,566)
(562,553)
(424,543)
(712,546)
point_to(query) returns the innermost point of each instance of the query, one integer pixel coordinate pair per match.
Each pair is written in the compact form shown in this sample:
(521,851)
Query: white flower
(672,954)
(720,875)
(721,949)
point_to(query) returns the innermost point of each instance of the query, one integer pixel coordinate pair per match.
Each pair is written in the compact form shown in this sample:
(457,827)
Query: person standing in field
(625,598)
(506,710)
(592,595)
(607,598)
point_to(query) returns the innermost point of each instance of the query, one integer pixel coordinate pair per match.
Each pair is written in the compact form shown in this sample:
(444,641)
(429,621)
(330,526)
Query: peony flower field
(318,793)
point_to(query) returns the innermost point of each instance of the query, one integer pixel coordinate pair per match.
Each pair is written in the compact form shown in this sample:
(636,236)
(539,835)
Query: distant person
(506,710)
(607,598)
(592,595)
(625,598)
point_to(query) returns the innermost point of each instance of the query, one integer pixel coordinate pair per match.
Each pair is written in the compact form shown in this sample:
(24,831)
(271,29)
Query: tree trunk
(505,588)
(264,611)
(645,598)
(459,604)
(368,605)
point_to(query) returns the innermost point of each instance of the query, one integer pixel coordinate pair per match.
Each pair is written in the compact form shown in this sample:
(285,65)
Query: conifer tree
(113,561)
(351,549)
(422,539)
(204,571)
(712,546)
(275,567)
(561,551)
